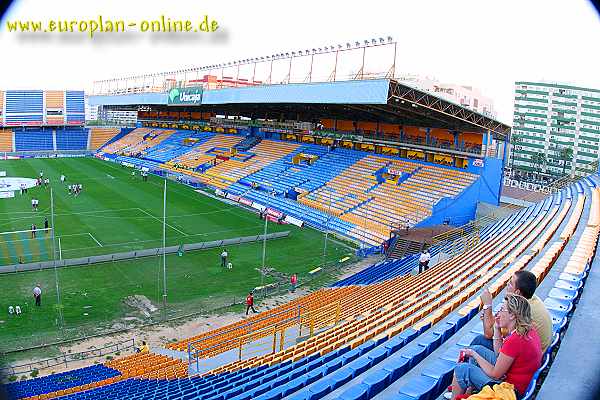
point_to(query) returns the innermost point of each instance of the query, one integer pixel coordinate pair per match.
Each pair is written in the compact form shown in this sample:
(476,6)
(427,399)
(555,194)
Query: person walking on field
(37,294)
(250,303)
(224,255)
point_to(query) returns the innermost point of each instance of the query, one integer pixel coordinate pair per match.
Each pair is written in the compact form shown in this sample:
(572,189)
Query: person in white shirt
(62,179)
(424,260)
(37,294)
(18,310)
(224,255)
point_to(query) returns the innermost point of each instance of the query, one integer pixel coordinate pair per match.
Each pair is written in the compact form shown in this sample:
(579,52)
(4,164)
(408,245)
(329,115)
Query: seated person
(524,284)
(513,359)
(144,348)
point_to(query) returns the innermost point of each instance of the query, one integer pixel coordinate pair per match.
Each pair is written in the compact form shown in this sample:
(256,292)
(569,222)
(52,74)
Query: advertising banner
(185,96)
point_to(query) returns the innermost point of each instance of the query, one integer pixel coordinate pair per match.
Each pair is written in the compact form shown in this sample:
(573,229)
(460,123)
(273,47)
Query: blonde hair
(519,307)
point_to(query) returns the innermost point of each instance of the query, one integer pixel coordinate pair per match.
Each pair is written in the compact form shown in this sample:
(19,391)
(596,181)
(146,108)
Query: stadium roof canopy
(383,100)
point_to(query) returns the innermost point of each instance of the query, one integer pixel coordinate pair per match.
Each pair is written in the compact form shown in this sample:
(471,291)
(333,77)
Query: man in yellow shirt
(522,283)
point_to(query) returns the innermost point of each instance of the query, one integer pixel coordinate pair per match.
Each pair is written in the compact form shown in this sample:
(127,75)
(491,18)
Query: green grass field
(114,213)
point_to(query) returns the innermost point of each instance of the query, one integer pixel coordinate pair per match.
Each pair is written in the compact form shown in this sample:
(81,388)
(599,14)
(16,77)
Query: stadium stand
(283,175)
(379,206)
(33,140)
(148,141)
(174,146)
(132,138)
(99,136)
(72,139)
(55,100)
(197,156)
(6,140)
(230,171)
(356,194)
(61,382)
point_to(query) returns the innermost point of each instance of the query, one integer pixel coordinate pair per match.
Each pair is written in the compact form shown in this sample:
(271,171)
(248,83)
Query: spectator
(293,282)
(524,284)
(516,358)
(424,260)
(37,294)
(143,348)
(385,247)
(250,303)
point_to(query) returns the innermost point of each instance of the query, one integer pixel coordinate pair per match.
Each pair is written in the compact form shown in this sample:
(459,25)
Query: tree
(514,141)
(565,154)
(539,159)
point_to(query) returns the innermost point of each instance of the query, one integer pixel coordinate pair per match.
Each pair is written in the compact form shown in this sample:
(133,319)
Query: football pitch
(117,212)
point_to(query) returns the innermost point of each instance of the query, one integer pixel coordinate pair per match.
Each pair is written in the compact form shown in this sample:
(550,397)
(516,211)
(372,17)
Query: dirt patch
(141,303)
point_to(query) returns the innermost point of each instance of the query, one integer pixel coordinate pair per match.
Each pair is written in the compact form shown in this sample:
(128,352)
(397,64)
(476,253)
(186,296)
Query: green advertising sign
(185,96)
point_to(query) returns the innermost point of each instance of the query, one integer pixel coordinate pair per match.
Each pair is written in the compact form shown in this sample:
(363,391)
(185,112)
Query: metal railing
(319,318)
(65,358)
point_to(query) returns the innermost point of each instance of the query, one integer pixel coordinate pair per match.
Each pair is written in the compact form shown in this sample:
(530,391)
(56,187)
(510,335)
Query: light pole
(59,305)
(327,226)
(164,249)
(264,251)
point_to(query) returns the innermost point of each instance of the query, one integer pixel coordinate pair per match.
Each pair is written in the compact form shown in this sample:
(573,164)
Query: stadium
(229,185)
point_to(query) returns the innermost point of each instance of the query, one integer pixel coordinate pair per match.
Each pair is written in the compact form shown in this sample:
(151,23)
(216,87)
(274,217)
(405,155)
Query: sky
(480,43)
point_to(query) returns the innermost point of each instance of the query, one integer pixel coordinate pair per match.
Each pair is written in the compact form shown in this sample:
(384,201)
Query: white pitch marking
(92,236)
(170,226)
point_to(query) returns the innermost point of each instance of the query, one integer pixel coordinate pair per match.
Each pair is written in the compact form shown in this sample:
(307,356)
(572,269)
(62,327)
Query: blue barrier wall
(490,181)
(456,211)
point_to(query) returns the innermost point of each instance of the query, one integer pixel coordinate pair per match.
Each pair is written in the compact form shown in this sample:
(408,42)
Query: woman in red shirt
(514,359)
